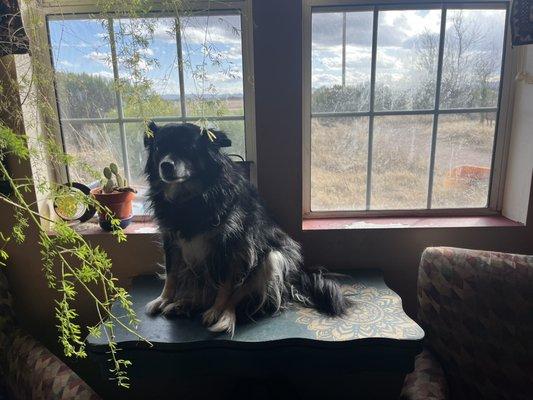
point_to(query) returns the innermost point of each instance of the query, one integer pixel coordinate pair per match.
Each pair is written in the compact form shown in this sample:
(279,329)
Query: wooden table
(298,354)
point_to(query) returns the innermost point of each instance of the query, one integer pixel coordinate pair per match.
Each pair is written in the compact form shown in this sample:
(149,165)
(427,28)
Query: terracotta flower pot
(119,203)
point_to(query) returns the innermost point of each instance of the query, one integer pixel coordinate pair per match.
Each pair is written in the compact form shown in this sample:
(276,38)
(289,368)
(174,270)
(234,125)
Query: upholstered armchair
(476,308)
(27,369)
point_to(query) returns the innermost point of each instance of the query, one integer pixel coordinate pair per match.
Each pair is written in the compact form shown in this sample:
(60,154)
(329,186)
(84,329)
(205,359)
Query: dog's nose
(167,169)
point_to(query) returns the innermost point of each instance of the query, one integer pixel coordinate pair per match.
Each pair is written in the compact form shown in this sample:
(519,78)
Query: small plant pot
(119,203)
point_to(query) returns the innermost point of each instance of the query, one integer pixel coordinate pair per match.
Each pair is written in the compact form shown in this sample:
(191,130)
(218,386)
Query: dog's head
(183,154)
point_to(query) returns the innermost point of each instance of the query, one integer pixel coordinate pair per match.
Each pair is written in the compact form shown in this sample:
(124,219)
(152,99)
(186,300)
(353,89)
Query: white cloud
(219,31)
(103,74)
(327,28)
(197,35)
(388,57)
(233,53)
(399,34)
(356,56)
(220,77)
(79,45)
(401,27)
(66,63)
(332,62)
(165,30)
(146,52)
(143,65)
(99,57)
(326,80)
(193,30)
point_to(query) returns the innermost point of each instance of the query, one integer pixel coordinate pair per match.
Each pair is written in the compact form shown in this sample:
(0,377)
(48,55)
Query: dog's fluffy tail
(317,290)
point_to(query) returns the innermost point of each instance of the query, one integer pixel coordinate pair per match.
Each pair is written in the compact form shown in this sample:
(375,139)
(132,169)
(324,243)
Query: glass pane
(235,131)
(400,161)
(94,147)
(472,58)
(463,160)
(149,71)
(136,153)
(84,75)
(338,163)
(329,94)
(137,159)
(213,74)
(407,56)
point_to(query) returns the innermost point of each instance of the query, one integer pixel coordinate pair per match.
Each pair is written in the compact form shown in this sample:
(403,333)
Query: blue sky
(83,46)
(397,34)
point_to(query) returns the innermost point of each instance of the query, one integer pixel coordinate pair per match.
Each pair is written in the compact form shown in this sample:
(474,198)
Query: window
(401,107)
(195,68)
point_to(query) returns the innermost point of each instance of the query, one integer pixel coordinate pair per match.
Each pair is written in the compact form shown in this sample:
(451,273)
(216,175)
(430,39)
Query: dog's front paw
(176,308)
(225,323)
(157,305)
(210,316)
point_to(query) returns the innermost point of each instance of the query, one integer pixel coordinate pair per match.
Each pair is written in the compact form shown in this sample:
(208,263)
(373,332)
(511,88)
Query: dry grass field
(400,158)
(400,162)
(98,144)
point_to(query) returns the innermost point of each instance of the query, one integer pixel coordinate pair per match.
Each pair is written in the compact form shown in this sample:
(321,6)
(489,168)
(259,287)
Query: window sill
(316,224)
(139,226)
(145,226)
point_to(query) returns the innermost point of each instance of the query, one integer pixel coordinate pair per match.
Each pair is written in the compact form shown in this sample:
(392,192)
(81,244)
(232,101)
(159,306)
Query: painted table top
(376,317)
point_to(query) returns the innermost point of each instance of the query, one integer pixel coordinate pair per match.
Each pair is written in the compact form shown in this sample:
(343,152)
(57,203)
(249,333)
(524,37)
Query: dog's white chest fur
(194,251)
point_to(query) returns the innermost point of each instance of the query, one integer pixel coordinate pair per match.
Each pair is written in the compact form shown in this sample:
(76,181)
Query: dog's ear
(217,139)
(222,139)
(149,134)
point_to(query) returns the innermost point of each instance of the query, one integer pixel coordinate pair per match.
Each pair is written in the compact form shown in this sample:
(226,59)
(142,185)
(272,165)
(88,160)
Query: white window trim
(78,8)
(504,116)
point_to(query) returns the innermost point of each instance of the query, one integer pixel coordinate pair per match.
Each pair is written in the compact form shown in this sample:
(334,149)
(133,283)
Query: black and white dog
(224,256)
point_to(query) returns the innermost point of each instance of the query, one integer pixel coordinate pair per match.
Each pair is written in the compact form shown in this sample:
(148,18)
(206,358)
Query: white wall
(520,163)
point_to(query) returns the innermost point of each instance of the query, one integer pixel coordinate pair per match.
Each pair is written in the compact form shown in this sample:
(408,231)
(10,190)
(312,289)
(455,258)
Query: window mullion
(431,171)
(156,119)
(114,61)
(371,109)
(344,50)
(180,69)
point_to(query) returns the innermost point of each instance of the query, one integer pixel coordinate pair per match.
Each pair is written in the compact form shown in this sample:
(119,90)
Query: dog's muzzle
(173,171)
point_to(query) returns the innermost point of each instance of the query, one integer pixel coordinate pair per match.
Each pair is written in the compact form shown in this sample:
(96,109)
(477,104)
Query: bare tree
(427,50)
(468,69)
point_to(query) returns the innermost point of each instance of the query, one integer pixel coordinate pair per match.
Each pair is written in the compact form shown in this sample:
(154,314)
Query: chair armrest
(427,381)
(35,373)
(476,308)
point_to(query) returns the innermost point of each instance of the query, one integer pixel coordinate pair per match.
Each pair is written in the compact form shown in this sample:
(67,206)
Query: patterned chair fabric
(7,322)
(476,308)
(427,381)
(27,369)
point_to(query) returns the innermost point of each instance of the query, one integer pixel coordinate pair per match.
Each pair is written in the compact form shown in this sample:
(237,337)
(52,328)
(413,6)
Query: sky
(398,31)
(83,46)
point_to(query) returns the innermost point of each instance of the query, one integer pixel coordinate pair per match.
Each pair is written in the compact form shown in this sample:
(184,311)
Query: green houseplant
(116,196)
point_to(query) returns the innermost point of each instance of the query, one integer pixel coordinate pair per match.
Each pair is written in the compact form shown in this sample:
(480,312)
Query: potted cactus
(115,196)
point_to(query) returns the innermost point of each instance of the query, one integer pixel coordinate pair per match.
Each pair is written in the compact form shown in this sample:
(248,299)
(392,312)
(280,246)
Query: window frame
(89,9)
(503,123)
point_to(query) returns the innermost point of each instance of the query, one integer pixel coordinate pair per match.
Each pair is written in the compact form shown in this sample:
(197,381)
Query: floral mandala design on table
(375,313)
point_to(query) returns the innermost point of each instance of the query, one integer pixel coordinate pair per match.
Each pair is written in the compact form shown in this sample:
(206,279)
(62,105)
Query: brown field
(96,145)
(400,162)
(400,158)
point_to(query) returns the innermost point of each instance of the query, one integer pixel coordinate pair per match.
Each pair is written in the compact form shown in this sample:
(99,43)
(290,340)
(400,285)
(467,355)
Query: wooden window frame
(503,110)
(73,9)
